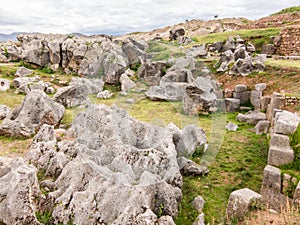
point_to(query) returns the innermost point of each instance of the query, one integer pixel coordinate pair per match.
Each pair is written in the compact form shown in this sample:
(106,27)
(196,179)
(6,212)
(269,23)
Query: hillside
(119,130)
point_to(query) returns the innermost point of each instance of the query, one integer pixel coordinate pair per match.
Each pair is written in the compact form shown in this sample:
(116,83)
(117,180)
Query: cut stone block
(240,88)
(239,203)
(280,140)
(271,180)
(232,104)
(286,123)
(262,127)
(280,155)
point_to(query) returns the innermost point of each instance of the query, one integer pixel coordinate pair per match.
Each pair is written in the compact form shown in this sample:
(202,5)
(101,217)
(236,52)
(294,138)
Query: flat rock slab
(251,117)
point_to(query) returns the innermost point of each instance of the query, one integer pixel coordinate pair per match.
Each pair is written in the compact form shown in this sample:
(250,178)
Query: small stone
(231,126)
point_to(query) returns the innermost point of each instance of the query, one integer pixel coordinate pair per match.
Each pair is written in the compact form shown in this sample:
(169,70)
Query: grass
(258,37)
(292,9)
(164,50)
(238,164)
(282,63)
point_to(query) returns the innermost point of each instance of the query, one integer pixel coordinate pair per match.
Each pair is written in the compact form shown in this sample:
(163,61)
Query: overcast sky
(123,16)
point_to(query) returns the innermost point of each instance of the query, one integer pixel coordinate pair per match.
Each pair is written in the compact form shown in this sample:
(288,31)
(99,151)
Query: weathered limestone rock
(199,220)
(279,156)
(4,84)
(264,102)
(172,86)
(176,33)
(105,94)
(93,86)
(225,58)
(138,167)
(229,44)
(152,72)
(37,109)
(268,49)
(271,188)
(277,102)
(23,72)
(241,93)
(72,96)
(126,83)
(4,111)
(232,127)
(240,88)
(250,47)
(232,104)
(260,87)
(189,167)
(198,202)
(239,203)
(18,189)
(279,140)
(135,50)
(286,123)
(9,51)
(262,127)
(251,117)
(200,96)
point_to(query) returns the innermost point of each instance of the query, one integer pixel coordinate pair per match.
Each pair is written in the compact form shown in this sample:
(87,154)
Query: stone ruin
(275,185)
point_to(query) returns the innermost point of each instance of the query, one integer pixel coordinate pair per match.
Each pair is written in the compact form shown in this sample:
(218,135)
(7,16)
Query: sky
(123,16)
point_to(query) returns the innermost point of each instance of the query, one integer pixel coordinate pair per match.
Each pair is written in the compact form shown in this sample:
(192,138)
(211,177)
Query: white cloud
(120,16)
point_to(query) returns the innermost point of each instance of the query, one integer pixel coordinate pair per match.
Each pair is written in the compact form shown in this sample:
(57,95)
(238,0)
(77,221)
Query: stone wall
(292,100)
(290,41)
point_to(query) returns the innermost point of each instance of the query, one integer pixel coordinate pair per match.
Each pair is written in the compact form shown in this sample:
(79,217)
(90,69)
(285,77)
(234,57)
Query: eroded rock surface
(37,109)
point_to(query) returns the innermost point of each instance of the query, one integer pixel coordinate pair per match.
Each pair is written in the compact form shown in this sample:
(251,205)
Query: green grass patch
(164,50)
(258,37)
(238,164)
(292,9)
(284,63)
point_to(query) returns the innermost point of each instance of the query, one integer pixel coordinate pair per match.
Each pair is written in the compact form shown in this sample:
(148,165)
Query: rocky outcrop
(93,56)
(126,83)
(25,120)
(152,72)
(9,51)
(100,174)
(19,190)
(200,96)
(138,166)
(172,85)
(176,33)
(236,57)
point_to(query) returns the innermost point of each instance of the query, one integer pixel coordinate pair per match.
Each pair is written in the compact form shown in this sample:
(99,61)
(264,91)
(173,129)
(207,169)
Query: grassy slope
(292,9)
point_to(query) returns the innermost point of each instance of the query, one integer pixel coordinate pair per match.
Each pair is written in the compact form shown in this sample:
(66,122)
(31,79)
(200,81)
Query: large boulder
(126,83)
(107,60)
(172,85)
(93,86)
(37,109)
(99,162)
(9,51)
(152,72)
(251,117)
(200,96)
(73,95)
(135,50)
(23,72)
(240,202)
(175,33)
(18,189)
(286,123)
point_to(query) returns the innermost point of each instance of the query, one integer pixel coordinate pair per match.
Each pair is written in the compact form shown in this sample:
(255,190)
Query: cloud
(119,16)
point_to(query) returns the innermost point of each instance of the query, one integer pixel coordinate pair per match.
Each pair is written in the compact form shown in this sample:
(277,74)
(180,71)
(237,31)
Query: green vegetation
(292,9)
(283,63)
(44,218)
(164,50)
(258,37)
(239,164)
